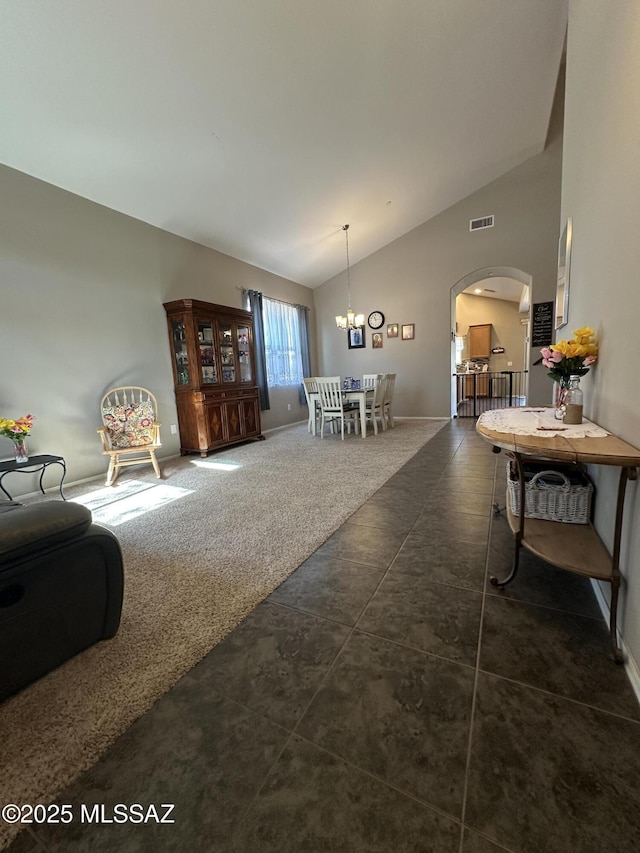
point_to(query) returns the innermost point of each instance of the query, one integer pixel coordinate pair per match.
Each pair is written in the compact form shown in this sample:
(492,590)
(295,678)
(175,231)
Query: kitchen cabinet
(480,341)
(476,384)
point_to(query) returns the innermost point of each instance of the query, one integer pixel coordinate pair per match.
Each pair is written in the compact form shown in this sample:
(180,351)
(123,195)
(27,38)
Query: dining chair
(332,406)
(387,402)
(311,393)
(376,381)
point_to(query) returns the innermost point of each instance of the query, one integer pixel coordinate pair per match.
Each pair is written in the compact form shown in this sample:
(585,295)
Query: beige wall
(81,311)
(601,192)
(506,328)
(410,281)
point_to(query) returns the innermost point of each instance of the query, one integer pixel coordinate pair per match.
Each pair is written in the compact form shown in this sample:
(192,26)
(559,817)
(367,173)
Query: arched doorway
(498,297)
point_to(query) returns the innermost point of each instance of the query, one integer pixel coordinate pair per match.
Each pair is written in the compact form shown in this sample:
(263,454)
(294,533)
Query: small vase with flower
(18,431)
(566,359)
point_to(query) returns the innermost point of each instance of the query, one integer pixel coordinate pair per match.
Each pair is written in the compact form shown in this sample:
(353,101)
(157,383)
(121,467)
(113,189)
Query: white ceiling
(260,127)
(497,287)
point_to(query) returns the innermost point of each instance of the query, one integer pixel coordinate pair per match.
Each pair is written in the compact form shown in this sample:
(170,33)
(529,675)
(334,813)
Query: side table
(573,547)
(35,464)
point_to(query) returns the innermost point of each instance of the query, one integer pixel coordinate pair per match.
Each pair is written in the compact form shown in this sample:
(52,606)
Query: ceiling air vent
(483,222)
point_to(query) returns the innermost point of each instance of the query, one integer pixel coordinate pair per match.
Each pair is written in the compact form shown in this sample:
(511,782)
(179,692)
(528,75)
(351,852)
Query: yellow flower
(584,332)
(561,346)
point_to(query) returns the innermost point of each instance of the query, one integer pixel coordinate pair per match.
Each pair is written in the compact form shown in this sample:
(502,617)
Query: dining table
(349,395)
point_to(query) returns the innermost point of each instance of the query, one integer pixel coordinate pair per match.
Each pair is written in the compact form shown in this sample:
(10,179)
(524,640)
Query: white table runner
(526,421)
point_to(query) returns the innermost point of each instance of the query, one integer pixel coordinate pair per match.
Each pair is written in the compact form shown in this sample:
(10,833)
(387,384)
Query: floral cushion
(130,425)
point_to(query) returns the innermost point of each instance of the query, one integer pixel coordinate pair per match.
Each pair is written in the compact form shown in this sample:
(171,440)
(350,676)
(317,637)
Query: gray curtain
(255,306)
(305,352)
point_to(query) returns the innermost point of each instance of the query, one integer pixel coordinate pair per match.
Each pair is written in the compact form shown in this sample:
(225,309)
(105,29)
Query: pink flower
(556,356)
(546,353)
(548,363)
(590,359)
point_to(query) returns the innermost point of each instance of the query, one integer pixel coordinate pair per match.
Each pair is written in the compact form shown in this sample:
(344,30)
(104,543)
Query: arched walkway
(518,286)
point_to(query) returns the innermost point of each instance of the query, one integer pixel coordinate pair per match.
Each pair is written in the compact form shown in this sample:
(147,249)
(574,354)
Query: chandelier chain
(352,320)
(345,228)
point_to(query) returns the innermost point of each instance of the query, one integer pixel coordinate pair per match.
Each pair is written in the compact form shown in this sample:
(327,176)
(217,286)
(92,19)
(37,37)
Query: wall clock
(376,320)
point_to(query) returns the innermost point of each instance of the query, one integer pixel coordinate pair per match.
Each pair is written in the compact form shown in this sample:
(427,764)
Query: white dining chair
(332,406)
(376,381)
(387,403)
(313,402)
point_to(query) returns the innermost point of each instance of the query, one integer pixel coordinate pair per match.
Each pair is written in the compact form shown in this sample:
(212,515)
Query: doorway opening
(490,340)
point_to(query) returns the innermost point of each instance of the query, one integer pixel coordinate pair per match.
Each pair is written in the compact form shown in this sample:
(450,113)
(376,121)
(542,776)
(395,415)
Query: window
(282,343)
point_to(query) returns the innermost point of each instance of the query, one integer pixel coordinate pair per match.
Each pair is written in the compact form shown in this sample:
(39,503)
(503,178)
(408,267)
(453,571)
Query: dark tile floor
(385,698)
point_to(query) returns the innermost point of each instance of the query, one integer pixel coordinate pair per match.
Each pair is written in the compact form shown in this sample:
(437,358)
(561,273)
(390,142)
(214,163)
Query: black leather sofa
(61,587)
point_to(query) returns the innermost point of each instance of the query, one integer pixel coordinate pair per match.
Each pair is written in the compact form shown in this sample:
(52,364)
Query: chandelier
(352,320)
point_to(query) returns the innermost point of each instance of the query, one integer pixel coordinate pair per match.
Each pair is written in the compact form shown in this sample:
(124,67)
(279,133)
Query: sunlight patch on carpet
(217,466)
(127,506)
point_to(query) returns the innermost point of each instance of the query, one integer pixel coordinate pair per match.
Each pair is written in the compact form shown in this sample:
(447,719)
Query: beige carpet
(218,535)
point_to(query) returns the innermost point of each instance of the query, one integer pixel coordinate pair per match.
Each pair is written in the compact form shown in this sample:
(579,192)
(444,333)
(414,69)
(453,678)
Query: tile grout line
(514,600)
(560,696)
(465,788)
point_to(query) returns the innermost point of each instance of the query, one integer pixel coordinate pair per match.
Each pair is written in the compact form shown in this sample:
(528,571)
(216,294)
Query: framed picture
(376,340)
(564,269)
(392,330)
(356,338)
(408,331)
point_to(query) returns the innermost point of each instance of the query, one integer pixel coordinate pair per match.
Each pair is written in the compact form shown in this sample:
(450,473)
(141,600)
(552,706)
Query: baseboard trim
(284,426)
(101,476)
(630,664)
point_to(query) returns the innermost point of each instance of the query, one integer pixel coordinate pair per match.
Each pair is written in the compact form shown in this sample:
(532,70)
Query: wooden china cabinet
(212,353)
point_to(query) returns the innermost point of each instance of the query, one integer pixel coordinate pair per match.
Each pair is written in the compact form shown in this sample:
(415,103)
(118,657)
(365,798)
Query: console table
(35,464)
(574,547)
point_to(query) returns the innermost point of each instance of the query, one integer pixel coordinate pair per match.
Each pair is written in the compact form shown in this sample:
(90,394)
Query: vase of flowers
(18,431)
(569,358)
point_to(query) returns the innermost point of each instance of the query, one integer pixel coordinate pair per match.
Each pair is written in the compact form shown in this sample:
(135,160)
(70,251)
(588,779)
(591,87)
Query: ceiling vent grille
(483,222)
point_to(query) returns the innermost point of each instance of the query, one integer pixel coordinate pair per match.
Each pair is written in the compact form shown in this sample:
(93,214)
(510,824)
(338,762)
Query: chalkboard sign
(542,332)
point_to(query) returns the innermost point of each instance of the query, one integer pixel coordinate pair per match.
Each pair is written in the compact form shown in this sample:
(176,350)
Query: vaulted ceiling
(260,127)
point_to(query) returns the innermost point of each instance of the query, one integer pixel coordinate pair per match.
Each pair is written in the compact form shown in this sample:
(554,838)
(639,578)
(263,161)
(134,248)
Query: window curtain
(255,306)
(305,351)
(282,343)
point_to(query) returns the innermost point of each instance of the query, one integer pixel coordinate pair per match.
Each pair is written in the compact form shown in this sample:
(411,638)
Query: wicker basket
(552,495)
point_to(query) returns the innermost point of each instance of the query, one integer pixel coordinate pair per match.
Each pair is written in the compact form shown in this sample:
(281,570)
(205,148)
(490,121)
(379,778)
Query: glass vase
(22,454)
(573,401)
(560,399)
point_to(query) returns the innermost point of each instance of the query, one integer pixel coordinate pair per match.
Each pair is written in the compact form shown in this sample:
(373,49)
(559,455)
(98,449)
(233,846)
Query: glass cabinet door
(206,344)
(179,338)
(244,354)
(226,352)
